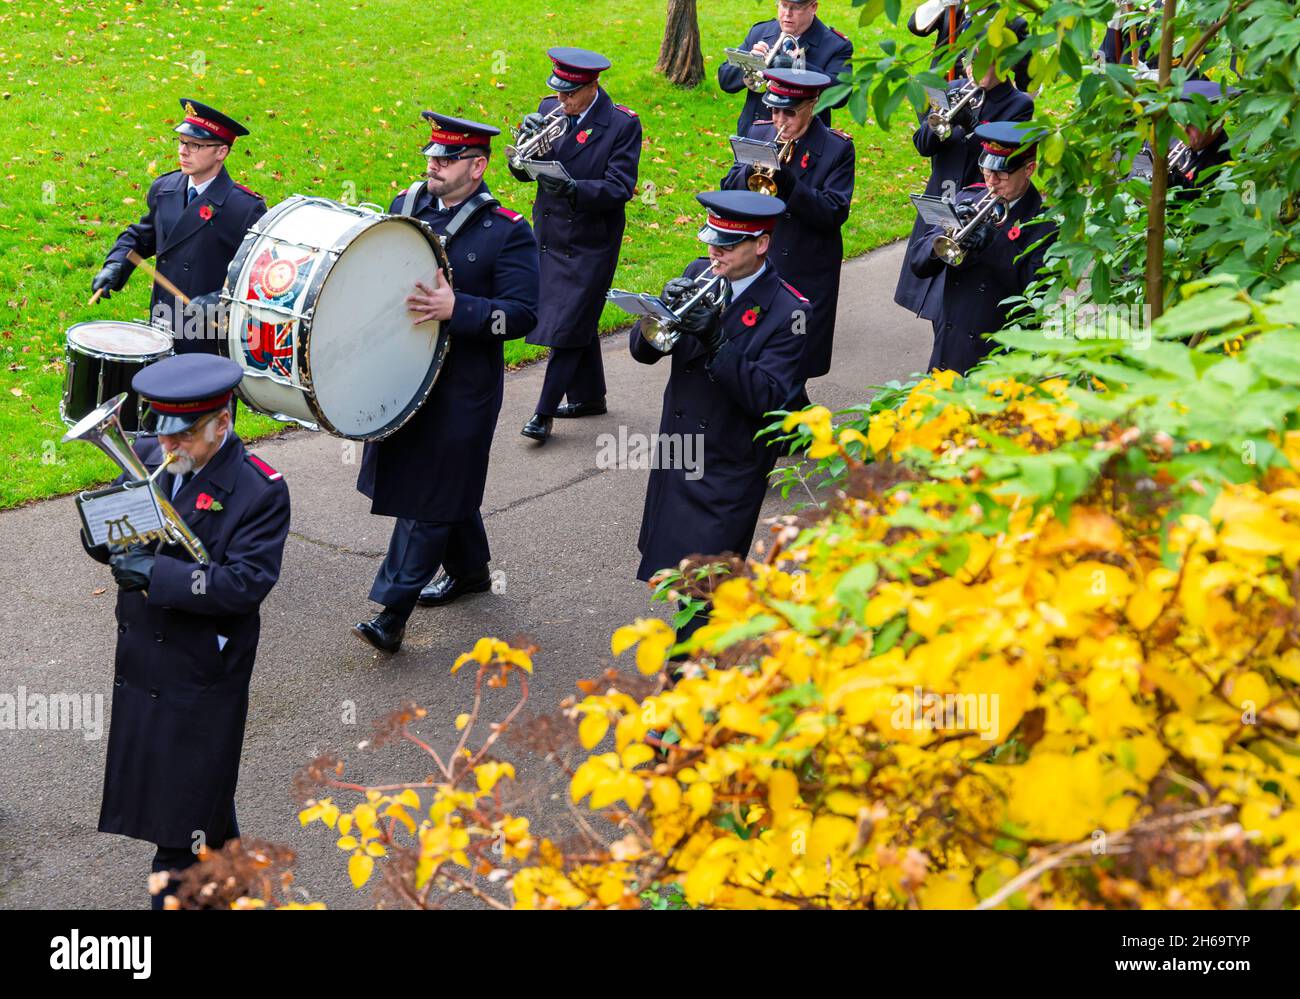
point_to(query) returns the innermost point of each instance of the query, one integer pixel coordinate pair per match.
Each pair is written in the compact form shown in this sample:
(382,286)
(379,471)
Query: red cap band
(574,75)
(997,149)
(459,138)
(752,226)
(193,406)
(794,93)
(220,131)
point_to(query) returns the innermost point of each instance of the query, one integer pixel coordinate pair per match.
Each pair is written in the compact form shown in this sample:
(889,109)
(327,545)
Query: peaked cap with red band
(738,215)
(203,122)
(574,68)
(452,136)
(1008,145)
(788,87)
(185,387)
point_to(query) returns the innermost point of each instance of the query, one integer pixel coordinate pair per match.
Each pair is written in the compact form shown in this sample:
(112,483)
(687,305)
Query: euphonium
(711,289)
(949,248)
(763,179)
(940,120)
(538,142)
(103,429)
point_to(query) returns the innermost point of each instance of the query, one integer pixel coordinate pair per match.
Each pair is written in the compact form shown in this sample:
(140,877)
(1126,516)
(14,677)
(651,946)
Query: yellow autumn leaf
(592,729)
(359,868)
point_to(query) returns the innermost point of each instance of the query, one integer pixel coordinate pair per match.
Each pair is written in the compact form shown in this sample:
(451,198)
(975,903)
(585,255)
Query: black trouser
(577,372)
(178,858)
(417,549)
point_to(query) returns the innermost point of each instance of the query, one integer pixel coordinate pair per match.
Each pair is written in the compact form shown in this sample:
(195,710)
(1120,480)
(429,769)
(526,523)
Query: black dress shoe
(384,631)
(538,428)
(445,589)
(570,409)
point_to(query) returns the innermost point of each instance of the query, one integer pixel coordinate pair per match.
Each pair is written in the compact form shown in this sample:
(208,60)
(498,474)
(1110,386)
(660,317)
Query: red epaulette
(839,32)
(842,134)
(793,290)
(512,216)
(626,110)
(762,121)
(249,190)
(263,467)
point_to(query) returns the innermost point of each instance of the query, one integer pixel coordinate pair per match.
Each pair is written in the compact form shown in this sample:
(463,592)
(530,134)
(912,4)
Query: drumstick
(149,269)
(95,297)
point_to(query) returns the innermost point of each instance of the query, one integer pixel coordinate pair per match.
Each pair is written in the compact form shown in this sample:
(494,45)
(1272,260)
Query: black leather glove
(210,315)
(109,278)
(677,291)
(978,241)
(132,569)
(559,186)
(532,122)
(964,210)
(704,323)
(784,180)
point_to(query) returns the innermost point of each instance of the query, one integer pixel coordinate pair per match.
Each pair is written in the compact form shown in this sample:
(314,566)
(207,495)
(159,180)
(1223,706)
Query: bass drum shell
(317,317)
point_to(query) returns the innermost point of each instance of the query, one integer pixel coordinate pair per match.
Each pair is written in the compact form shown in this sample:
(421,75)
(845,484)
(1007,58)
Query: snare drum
(102,358)
(318,317)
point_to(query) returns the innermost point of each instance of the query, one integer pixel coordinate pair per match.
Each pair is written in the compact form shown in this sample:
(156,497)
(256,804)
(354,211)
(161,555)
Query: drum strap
(412,193)
(465,212)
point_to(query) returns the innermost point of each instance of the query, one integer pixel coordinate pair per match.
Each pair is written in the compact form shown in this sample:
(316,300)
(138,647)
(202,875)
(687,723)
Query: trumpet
(940,119)
(713,290)
(103,429)
(530,144)
(1180,157)
(763,178)
(786,45)
(949,248)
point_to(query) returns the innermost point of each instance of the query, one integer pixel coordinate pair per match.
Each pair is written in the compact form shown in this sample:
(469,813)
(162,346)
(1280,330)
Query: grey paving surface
(563,533)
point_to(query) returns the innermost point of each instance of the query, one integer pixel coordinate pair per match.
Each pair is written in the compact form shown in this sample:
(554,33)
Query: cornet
(103,429)
(537,142)
(763,178)
(1180,157)
(940,119)
(786,45)
(713,290)
(949,248)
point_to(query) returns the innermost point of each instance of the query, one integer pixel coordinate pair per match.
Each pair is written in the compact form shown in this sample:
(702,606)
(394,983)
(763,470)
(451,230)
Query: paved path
(563,533)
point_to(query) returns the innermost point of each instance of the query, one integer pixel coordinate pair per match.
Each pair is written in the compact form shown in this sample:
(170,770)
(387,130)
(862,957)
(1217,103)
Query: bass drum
(318,318)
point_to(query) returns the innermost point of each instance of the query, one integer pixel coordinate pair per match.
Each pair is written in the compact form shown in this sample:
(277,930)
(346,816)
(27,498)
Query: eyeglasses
(443,161)
(190,147)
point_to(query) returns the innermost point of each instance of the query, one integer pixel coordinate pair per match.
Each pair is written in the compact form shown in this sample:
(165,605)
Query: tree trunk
(680,59)
(1155,276)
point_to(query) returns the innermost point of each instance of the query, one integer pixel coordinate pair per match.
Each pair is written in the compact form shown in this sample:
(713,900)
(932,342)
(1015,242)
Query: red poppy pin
(205,212)
(751,316)
(803,163)
(582,136)
(206,502)
(1013,232)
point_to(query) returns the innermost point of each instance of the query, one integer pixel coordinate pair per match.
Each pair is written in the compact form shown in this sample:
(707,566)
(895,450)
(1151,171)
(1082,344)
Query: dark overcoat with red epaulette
(180,697)
(578,242)
(435,467)
(954,166)
(724,401)
(194,245)
(807,245)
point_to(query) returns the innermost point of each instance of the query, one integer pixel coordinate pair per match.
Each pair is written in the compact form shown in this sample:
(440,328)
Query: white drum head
(367,358)
(111,338)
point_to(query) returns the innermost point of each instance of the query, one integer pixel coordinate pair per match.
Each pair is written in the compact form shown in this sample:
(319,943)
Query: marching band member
(187,635)
(729,368)
(196,221)
(998,261)
(1199,150)
(430,474)
(936,17)
(579,224)
(954,165)
(825,50)
(816,184)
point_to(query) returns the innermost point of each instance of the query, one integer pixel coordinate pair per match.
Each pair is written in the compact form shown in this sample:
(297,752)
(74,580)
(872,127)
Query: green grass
(332,93)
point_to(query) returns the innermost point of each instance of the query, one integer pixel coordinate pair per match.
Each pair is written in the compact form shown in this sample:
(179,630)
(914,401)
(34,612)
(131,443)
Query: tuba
(713,290)
(940,119)
(103,429)
(537,142)
(949,248)
(762,178)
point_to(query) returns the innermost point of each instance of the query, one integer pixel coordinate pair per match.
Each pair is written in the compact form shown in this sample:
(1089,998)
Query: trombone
(711,289)
(949,248)
(530,144)
(763,178)
(940,119)
(103,429)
